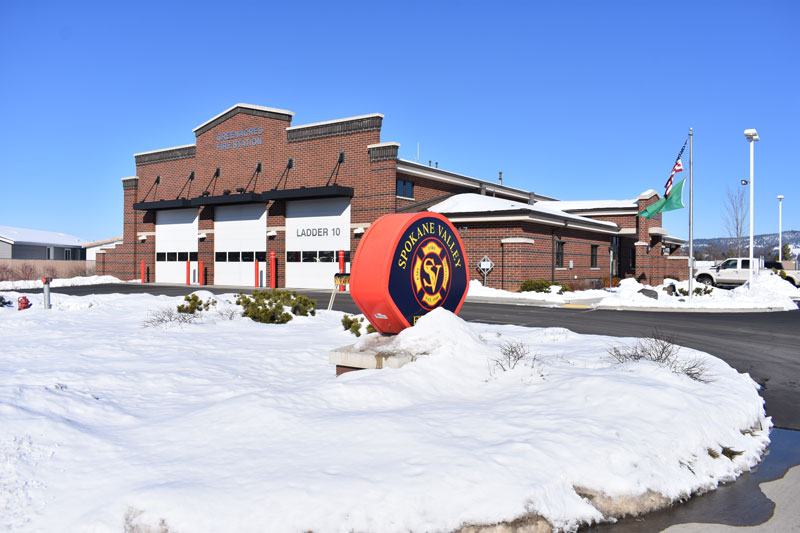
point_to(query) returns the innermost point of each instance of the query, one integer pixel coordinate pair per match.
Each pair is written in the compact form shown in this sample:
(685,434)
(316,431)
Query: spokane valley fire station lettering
(245,137)
(424,229)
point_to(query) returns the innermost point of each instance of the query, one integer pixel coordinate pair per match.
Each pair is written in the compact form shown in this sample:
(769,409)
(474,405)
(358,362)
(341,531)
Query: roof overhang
(5,240)
(302,193)
(527,216)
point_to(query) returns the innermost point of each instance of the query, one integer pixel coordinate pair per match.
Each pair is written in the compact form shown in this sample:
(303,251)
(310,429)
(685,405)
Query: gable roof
(13,235)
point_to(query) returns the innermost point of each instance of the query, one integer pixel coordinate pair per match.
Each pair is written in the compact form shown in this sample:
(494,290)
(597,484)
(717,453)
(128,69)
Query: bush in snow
(698,291)
(353,325)
(166,316)
(268,306)
(661,349)
(4,302)
(512,353)
(541,285)
(195,304)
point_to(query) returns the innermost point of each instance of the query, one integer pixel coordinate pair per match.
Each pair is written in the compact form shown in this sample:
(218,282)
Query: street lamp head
(751,134)
(745,182)
(780,197)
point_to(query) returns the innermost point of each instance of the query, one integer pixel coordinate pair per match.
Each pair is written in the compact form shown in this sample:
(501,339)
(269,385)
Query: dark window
(730,263)
(327,257)
(247,257)
(233,257)
(594,256)
(559,254)
(292,257)
(183,256)
(172,256)
(405,189)
(161,256)
(261,257)
(220,257)
(347,256)
(309,257)
(745,264)
(192,256)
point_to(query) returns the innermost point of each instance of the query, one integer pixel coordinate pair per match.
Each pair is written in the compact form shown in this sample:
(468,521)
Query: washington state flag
(668,203)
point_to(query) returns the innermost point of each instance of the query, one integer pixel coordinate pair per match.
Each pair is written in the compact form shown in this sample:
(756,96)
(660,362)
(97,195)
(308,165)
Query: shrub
(4,302)
(614,282)
(268,306)
(6,272)
(661,349)
(541,285)
(353,325)
(195,304)
(166,316)
(698,291)
(26,271)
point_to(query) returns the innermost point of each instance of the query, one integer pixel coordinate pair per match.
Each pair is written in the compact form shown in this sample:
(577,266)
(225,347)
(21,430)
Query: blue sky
(577,100)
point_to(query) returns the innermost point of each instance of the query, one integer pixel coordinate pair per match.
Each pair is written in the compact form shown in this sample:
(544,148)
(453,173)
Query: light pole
(751,135)
(780,227)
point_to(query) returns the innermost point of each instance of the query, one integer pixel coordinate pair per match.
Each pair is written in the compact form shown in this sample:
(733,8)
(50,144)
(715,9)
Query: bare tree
(735,216)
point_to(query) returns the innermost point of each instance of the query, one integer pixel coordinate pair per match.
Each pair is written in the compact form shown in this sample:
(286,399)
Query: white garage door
(315,232)
(240,240)
(176,244)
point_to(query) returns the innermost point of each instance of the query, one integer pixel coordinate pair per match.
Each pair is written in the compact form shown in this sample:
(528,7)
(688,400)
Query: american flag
(675,169)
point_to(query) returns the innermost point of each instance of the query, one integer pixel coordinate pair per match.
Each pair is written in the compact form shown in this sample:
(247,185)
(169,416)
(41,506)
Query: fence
(26,269)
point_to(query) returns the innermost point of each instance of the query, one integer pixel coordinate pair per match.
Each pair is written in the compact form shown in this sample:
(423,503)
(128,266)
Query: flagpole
(691,215)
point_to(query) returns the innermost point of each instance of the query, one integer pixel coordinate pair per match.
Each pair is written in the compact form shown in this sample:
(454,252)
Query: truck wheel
(705,280)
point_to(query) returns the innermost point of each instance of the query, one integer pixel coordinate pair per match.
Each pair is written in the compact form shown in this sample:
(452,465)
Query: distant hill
(765,245)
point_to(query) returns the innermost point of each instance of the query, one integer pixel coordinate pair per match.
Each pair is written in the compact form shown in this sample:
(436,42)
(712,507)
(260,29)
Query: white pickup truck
(736,271)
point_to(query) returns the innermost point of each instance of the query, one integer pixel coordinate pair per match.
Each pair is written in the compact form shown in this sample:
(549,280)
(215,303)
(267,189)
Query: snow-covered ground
(767,291)
(59,282)
(231,425)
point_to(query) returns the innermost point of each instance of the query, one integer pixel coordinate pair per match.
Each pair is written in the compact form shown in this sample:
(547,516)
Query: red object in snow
(23,303)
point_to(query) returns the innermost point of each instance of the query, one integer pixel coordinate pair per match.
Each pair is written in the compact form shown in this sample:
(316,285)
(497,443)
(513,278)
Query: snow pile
(232,425)
(476,289)
(58,282)
(767,291)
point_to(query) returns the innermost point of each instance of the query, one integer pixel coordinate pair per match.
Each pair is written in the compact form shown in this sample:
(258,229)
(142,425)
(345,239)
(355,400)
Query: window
(172,256)
(221,257)
(405,189)
(560,254)
(594,256)
(745,264)
(292,257)
(233,257)
(327,257)
(183,256)
(161,256)
(192,256)
(67,254)
(730,263)
(261,257)
(247,257)
(310,257)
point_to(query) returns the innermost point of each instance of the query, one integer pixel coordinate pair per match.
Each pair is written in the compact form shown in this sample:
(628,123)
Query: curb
(690,310)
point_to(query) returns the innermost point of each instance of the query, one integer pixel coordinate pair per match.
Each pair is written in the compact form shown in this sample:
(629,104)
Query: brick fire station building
(253,184)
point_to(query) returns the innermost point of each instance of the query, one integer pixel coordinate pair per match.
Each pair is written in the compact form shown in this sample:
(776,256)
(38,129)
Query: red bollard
(257,284)
(273,269)
(341,268)
(188,272)
(200,277)
(144,273)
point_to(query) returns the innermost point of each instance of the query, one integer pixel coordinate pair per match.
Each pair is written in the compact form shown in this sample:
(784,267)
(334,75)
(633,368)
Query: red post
(273,269)
(341,268)
(188,272)
(257,284)
(144,273)
(200,276)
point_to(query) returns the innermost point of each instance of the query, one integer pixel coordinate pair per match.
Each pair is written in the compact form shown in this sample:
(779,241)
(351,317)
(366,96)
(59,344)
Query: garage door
(315,232)
(240,240)
(176,244)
